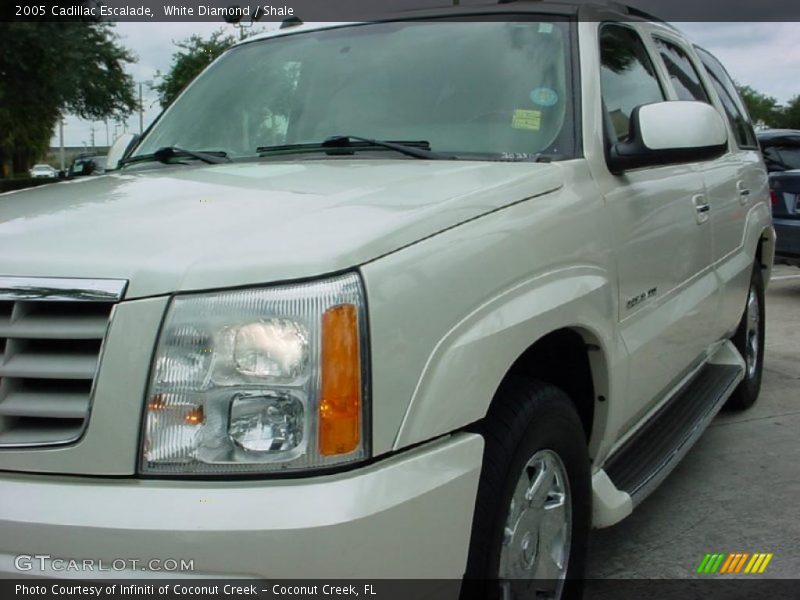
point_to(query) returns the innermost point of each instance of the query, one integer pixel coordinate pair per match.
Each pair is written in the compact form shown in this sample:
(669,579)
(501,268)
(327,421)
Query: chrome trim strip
(34,445)
(62,289)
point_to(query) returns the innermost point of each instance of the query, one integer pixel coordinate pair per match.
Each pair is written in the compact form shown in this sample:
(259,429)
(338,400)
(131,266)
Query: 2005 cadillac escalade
(426,297)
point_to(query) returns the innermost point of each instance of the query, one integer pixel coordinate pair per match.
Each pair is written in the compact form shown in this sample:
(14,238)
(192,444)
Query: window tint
(782,158)
(627,76)
(682,74)
(734,109)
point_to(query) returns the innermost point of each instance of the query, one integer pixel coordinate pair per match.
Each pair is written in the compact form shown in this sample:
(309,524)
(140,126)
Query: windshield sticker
(545,28)
(526,119)
(544,96)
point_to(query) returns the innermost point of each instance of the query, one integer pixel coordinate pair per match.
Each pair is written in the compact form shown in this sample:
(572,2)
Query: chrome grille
(51,333)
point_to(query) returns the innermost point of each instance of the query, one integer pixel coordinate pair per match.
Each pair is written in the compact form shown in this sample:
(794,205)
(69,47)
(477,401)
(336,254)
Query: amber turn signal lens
(157,402)
(195,416)
(340,397)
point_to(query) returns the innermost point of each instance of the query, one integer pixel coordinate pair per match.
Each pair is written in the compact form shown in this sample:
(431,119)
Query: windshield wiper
(167,153)
(417,149)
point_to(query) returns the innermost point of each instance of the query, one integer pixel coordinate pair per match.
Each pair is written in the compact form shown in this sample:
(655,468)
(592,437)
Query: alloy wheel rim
(752,337)
(534,554)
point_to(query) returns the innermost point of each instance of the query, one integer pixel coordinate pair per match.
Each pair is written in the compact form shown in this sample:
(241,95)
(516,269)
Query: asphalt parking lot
(738,489)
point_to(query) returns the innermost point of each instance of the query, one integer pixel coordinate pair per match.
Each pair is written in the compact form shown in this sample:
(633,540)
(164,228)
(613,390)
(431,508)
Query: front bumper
(406,516)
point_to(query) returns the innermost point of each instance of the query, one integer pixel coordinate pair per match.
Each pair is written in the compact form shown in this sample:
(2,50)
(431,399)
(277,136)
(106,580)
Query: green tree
(762,108)
(195,54)
(790,114)
(50,69)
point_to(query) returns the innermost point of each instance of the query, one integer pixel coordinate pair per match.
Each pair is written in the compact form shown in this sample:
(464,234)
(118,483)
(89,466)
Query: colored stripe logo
(734,563)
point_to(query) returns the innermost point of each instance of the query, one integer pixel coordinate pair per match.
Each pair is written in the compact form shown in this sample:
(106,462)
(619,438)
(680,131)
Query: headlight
(259,380)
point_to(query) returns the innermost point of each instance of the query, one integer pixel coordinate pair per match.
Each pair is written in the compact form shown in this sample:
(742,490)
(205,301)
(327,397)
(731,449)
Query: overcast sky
(765,56)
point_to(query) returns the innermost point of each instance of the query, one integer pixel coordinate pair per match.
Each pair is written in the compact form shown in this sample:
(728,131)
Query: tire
(532,429)
(749,340)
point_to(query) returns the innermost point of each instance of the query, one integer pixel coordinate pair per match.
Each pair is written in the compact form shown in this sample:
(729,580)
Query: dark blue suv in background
(781,149)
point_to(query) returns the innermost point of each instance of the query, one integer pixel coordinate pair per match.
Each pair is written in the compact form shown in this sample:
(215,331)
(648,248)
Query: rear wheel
(749,340)
(533,508)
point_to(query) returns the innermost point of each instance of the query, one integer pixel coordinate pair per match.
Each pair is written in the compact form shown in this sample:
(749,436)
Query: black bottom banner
(400,589)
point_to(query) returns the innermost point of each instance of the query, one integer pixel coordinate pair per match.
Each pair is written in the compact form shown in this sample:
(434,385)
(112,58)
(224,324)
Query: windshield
(498,90)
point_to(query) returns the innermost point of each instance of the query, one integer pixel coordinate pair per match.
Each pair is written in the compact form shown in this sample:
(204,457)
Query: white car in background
(43,171)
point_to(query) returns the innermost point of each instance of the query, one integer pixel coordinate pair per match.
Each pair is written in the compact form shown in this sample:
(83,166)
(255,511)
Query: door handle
(744,193)
(702,207)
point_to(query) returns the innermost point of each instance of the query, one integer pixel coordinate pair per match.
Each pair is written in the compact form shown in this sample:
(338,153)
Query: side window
(627,76)
(781,158)
(682,72)
(734,109)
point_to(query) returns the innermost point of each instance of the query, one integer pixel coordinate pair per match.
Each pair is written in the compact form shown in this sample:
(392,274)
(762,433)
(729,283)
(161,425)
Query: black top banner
(250,11)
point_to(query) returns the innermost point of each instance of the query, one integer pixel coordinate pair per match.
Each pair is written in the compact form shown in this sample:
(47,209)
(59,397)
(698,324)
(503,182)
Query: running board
(649,456)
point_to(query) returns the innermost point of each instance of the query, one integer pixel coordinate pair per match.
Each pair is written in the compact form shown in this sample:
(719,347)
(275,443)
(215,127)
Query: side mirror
(666,133)
(119,149)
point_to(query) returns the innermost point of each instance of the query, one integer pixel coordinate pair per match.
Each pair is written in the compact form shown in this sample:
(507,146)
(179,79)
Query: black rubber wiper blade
(289,149)
(417,149)
(407,148)
(167,153)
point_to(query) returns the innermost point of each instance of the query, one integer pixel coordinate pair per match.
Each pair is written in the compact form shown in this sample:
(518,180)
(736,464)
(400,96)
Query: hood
(215,226)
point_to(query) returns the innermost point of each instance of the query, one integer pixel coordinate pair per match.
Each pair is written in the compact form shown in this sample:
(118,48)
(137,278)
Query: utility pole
(141,111)
(91,136)
(149,84)
(61,141)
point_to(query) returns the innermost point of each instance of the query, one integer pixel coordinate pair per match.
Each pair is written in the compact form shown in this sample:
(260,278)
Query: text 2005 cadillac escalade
(418,298)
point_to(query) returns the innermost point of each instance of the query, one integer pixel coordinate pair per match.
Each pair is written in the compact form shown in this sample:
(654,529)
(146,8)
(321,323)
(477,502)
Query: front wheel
(749,340)
(532,514)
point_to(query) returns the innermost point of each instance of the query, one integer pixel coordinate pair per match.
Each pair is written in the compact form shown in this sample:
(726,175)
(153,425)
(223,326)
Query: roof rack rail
(291,22)
(636,12)
(613,5)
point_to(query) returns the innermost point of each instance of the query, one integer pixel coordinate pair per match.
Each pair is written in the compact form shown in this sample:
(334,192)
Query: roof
(572,8)
(776,136)
(774,133)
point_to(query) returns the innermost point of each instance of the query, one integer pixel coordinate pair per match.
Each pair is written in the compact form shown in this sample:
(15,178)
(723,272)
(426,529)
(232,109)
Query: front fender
(468,364)
(450,314)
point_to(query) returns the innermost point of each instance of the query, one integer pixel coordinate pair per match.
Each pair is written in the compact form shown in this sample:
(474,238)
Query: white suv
(414,298)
